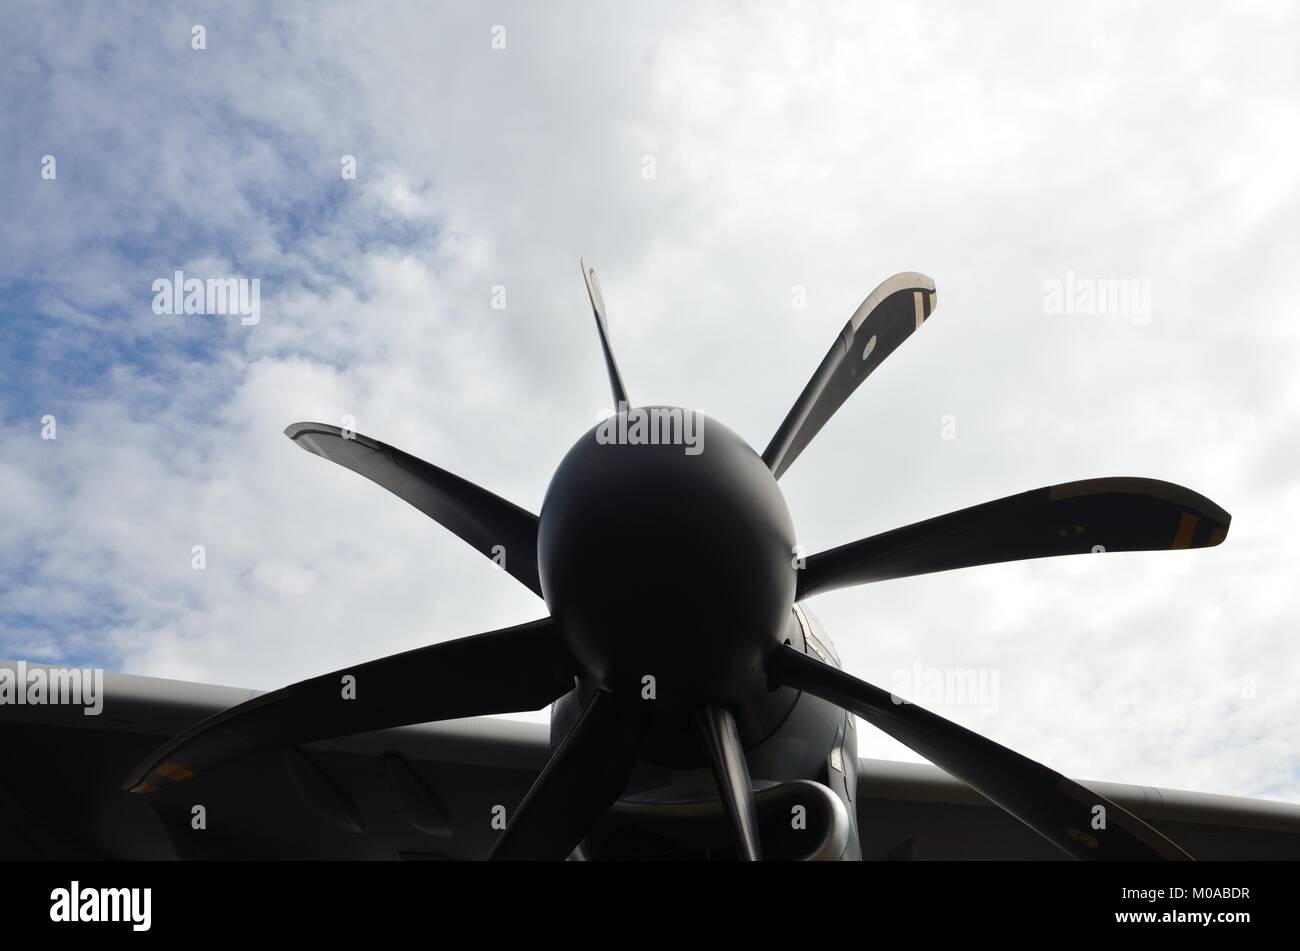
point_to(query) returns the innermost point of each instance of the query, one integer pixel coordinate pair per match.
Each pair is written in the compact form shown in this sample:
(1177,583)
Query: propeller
(717,728)
(488,522)
(890,314)
(577,786)
(1060,810)
(1094,515)
(651,558)
(621,400)
(507,671)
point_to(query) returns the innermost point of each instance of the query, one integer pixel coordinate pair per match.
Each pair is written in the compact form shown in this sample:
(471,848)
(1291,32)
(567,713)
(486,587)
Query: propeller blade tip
(301,435)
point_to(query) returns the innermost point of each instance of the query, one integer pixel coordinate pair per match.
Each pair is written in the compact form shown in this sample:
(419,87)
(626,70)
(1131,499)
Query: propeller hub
(665,556)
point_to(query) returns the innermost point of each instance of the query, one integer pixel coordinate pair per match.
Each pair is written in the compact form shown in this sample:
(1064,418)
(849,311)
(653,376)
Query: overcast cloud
(819,146)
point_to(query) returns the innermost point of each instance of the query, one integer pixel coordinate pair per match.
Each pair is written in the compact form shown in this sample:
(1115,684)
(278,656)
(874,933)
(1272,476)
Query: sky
(720,166)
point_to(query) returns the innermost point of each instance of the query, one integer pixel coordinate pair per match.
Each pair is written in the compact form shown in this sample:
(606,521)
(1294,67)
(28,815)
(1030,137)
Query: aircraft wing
(422,792)
(431,792)
(914,811)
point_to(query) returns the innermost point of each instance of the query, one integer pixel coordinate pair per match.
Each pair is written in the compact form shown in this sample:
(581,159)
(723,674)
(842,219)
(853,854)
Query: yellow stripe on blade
(1186,525)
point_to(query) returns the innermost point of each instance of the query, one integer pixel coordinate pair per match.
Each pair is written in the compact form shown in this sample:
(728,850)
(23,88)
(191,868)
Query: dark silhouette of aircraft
(700,710)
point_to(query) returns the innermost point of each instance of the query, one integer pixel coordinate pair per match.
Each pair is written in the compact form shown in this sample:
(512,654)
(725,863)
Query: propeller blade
(717,727)
(499,529)
(1059,809)
(579,783)
(886,318)
(1116,514)
(517,668)
(602,327)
